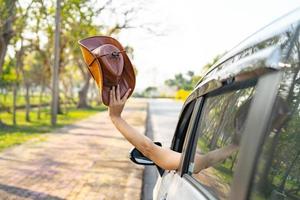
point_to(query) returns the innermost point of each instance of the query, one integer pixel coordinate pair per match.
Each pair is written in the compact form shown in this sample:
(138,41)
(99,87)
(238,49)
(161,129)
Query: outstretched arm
(163,157)
(213,157)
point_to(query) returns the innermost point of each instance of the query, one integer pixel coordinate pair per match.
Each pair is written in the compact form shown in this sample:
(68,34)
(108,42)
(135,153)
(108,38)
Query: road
(163,117)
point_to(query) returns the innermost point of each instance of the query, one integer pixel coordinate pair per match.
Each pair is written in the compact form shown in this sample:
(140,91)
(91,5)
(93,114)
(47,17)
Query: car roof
(274,28)
(264,44)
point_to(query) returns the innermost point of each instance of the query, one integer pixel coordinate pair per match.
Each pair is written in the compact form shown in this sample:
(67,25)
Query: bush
(182,94)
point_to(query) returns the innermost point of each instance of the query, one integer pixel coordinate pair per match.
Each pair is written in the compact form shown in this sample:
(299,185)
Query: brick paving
(86,160)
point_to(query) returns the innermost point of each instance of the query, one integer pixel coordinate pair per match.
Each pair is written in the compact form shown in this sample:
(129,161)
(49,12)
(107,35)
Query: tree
(7,16)
(55,94)
(181,82)
(7,80)
(189,81)
(150,91)
(124,16)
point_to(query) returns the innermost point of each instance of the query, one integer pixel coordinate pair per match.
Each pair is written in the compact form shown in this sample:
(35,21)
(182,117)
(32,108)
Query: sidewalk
(86,160)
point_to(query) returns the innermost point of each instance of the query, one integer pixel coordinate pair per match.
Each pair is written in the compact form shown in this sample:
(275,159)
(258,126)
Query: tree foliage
(27,45)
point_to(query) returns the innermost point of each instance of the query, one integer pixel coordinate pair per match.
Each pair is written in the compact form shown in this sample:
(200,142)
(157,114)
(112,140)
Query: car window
(220,130)
(182,127)
(277,174)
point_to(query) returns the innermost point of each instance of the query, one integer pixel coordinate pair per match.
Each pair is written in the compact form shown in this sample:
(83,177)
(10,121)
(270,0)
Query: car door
(217,127)
(167,177)
(213,127)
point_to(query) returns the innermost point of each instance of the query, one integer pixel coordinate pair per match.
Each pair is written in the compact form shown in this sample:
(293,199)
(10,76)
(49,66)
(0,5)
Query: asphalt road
(163,117)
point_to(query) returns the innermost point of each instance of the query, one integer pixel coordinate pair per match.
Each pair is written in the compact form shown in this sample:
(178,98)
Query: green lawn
(12,135)
(7,100)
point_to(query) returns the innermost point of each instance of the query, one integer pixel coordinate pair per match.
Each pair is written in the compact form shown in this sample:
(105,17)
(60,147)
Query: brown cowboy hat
(109,65)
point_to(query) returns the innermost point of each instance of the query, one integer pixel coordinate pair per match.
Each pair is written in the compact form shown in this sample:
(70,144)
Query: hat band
(115,53)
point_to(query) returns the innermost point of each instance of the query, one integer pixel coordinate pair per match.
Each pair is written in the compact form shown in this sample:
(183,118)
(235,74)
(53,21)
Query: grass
(221,170)
(11,135)
(7,100)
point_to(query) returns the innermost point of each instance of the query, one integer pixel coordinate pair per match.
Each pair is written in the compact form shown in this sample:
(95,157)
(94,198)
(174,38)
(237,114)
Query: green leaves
(8,77)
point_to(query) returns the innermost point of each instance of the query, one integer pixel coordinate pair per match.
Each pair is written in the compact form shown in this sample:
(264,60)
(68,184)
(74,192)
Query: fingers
(113,95)
(118,93)
(110,97)
(126,95)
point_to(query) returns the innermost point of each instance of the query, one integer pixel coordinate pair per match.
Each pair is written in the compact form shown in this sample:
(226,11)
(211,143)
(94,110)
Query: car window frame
(190,132)
(179,137)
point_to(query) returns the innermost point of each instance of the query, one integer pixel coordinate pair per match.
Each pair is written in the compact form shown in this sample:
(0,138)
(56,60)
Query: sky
(193,32)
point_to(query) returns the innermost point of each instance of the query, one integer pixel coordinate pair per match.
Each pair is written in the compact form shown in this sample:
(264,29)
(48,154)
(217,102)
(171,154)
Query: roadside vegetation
(11,135)
(180,86)
(27,31)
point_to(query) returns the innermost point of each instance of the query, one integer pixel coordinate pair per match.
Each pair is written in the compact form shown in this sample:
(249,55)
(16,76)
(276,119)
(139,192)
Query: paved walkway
(87,160)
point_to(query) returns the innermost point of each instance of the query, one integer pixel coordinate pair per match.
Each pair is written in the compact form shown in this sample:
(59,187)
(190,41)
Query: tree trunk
(15,89)
(82,103)
(3,50)
(233,161)
(59,103)
(55,71)
(40,102)
(285,176)
(7,32)
(214,139)
(27,103)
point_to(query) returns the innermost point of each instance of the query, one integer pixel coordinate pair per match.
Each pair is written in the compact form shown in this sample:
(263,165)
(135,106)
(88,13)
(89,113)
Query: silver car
(249,98)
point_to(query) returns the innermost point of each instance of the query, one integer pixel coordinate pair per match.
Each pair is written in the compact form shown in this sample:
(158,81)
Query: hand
(116,103)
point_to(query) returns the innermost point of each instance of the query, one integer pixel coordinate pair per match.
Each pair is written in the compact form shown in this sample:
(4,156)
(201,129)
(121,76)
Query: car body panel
(180,189)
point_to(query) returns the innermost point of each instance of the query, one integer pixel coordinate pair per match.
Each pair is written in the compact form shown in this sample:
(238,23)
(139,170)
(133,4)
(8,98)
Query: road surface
(163,117)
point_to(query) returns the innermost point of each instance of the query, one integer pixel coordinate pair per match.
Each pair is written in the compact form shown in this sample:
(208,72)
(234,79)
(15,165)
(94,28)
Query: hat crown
(108,64)
(111,58)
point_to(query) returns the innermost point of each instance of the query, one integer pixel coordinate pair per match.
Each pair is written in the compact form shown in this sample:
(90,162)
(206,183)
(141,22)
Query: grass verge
(11,135)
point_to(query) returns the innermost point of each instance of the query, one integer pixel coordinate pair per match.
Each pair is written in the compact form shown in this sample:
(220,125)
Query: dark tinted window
(278,171)
(182,127)
(220,130)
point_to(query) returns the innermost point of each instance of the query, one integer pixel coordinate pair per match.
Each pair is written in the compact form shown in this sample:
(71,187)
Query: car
(250,99)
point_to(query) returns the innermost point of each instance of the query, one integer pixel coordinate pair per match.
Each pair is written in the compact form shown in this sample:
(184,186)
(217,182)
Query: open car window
(182,126)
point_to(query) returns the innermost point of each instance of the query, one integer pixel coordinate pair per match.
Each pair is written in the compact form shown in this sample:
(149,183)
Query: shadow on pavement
(21,192)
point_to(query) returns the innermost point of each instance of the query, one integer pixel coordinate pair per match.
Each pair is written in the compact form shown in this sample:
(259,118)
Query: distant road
(163,114)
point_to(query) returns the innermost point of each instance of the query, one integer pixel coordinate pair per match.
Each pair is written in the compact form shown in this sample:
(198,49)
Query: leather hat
(108,64)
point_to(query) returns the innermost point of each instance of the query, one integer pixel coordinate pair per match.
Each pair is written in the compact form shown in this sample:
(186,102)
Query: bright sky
(195,32)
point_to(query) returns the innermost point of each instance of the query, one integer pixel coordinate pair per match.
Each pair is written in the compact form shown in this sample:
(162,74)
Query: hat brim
(87,45)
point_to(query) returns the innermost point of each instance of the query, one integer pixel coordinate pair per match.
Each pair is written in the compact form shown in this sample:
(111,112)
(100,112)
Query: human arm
(213,157)
(163,157)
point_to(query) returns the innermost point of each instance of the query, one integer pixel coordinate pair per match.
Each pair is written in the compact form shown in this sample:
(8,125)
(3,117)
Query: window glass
(277,174)
(182,127)
(220,130)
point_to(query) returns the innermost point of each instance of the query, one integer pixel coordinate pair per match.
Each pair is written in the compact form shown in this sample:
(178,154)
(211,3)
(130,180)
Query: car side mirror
(138,158)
